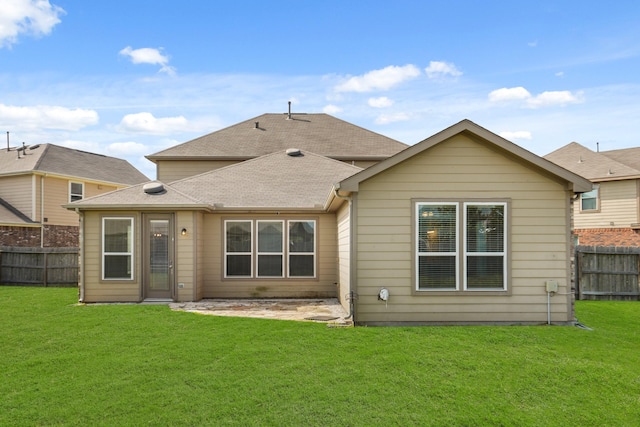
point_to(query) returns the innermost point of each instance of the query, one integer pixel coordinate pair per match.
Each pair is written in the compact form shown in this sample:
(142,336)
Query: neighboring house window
(76,191)
(117,248)
(589,200)
(461,245)
(281,249)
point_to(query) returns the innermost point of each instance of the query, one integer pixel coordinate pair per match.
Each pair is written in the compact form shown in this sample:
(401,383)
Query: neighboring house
(35,181)
(463,227)
(609,214)
(318,133)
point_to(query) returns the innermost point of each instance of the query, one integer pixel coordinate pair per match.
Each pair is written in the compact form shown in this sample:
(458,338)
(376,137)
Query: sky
(129,78)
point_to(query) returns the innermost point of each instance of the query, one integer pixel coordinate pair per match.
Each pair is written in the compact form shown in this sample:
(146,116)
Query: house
(35,181)
(461,228)
(609,214)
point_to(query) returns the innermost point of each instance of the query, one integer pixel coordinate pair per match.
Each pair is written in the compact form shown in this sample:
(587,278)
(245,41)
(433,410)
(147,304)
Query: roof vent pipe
(289,115)
(7,140)
(257,125)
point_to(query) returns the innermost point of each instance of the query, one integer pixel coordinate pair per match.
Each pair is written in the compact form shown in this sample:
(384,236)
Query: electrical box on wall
(552,285)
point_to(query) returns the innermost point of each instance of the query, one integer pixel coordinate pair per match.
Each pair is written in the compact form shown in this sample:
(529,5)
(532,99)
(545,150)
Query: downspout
(351,295)
(80,256)
(42,211)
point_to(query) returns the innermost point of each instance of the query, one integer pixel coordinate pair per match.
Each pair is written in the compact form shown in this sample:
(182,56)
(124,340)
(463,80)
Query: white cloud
(439,69)
(517,135)
(544,99)
(509,94)
(147,123)
(31,17)
(559,97)
(533,43)
(331,109)
(383,79)
(384,119)
(380,102)
(560,74)
(47,117)
(147,55)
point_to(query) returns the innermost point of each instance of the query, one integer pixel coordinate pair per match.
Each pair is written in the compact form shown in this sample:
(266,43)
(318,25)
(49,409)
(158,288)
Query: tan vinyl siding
(324,285)
(18,191)
(344,253)
(461,169)
(173,170)
(618,202)
(200,256)
(96,289)
(56,193)
(185,262)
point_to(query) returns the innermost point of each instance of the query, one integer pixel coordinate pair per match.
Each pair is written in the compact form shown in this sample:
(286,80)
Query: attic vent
(153,188)
(294,152)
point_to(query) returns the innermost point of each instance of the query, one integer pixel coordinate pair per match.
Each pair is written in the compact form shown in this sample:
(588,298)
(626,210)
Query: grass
(64,364)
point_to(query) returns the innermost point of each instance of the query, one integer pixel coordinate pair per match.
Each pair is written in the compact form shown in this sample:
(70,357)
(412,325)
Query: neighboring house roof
(54,159)
(597,166)
(579,184)
(11,215)
(299,180)
(318,133)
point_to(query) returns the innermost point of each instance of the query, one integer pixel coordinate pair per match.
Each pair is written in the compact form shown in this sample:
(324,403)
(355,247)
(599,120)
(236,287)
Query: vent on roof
(153,188)
(294,152)
(289,115)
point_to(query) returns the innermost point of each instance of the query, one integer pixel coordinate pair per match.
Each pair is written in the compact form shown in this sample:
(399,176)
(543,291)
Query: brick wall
(55,236)
(608,237)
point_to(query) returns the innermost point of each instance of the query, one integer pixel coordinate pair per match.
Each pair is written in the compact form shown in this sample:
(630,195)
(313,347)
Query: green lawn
(64,364)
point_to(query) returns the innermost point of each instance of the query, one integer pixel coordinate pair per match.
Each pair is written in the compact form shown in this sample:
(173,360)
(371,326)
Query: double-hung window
(270,248)
(461,246)
(76,191)
(117,248)
(589,200)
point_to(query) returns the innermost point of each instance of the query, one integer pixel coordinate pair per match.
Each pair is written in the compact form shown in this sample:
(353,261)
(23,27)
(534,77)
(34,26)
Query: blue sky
(130,78)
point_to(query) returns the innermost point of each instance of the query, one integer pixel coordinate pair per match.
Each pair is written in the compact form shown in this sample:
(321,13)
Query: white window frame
(455,255)
(496,254)
(281,253)
(79,196)
(461,242)
(131,243)
(596,191)
(286,252)
(250,253)
(313,253)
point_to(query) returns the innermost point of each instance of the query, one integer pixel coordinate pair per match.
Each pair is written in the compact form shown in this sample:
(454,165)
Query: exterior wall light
(184,232)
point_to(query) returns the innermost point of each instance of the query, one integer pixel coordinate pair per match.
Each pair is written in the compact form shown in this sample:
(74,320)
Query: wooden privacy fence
(607,273)
(39,266)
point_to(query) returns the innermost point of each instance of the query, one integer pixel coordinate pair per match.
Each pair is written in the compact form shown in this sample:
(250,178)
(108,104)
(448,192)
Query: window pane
(117,266)
(117,235)
(485,228)
(301,265)
(437,272)
(589,200)
(270,265)
(437,228)
(301,236)
(238,265)
(485,272)
(270,236)
(238,236)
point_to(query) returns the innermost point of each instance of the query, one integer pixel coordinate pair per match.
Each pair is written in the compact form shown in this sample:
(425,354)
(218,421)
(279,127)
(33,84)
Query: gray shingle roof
(277,181)
(318,133)
(595,166)
(70,162)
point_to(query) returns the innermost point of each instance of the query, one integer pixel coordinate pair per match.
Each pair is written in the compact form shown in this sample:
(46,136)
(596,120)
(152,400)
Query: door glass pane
(159,254)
